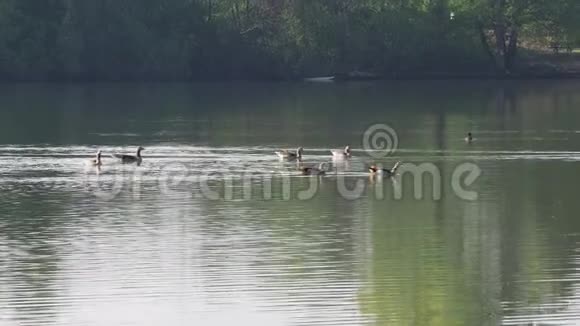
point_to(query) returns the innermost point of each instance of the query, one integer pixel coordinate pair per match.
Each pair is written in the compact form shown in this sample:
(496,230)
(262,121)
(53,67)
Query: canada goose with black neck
(320,170)
(288,155)
(97,160)
(374,170)
(127,159)
(469,138)
(341,153)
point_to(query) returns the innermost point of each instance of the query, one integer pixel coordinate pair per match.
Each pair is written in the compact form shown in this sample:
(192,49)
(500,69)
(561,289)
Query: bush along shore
(190,40)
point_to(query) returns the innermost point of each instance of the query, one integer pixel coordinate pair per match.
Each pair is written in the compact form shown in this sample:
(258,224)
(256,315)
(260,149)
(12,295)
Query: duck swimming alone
(341,153)
(127,159)
(374,170)
(97,160)
(320,170)
(288,155)
(469,137)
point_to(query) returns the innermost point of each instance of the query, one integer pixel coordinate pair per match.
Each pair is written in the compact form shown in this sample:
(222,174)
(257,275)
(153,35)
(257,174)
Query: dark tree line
(270,39)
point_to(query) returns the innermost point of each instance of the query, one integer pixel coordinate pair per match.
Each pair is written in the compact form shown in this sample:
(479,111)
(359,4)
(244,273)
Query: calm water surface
(213,230)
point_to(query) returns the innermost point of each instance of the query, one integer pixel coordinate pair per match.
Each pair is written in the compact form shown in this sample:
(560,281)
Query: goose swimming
(97,160)
(289,155)
(320,170)
(127,159)
(469,137)
(341,153)
(374,170)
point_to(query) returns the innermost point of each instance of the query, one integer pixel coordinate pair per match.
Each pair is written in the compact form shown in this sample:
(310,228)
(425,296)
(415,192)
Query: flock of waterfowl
(337,154)
(286,155)
(282,154)
(341,154)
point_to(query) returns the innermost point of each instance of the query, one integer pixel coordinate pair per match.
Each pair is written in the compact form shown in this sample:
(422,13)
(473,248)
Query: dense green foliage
(220,39)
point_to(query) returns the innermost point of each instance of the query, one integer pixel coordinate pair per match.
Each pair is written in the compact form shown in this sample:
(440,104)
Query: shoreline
(338,78)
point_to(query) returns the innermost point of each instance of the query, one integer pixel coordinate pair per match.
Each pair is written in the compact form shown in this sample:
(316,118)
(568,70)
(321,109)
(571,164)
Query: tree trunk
(511,50)
(485,43)
(500,34)
(506,38)
(209,10)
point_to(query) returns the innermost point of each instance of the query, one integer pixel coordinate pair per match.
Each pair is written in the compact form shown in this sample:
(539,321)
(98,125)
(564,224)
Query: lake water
(212,229)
